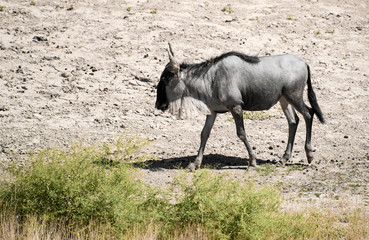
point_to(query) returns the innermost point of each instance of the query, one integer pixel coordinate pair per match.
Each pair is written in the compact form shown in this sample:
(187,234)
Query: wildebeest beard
(185,100)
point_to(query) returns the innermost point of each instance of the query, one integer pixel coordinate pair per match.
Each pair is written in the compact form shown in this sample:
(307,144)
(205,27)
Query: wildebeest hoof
(252,163)
(309,155)
(283,161)
(191,167)
(285,158)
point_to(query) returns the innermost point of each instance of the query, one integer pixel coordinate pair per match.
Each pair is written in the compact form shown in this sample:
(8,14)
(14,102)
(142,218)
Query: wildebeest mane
(202,68)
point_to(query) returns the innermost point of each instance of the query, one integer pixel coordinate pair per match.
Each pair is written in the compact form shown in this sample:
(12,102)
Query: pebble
(39,39)
(65,75)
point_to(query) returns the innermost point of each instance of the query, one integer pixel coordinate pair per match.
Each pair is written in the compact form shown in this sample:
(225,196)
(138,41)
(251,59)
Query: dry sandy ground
(86,70)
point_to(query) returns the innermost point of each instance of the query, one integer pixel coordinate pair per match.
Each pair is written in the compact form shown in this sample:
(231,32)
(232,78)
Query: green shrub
(76,185)
(225,208)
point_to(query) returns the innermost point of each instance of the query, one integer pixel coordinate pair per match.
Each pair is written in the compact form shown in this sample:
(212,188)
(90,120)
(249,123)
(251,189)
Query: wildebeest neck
(198,69)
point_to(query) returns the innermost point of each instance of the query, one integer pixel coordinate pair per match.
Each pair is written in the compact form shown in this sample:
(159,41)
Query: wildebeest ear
(173,61)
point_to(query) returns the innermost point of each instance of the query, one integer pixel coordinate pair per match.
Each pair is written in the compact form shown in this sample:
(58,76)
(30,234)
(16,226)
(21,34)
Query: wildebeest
(235,82)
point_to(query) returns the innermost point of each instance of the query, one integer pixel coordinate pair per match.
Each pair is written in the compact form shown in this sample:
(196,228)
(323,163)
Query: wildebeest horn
(172,59)
(170,50)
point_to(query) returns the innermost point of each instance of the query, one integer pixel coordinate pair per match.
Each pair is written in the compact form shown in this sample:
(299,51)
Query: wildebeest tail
(312,98)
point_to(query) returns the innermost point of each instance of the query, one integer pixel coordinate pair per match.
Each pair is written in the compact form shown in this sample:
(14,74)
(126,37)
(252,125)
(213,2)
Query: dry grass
(11,227)
(151,233)
(348,223)
(349,214)
(352,226)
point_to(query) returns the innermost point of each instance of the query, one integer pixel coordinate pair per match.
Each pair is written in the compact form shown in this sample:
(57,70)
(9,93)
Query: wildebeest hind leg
(308,115)
(293,121)
(205,133)
(238,118)
(309,124)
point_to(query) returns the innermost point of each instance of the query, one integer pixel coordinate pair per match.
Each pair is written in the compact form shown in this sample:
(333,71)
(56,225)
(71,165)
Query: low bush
(222,207)
(90,192)
(77,186)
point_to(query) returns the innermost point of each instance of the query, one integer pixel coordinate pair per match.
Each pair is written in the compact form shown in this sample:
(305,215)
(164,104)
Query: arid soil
(87,70)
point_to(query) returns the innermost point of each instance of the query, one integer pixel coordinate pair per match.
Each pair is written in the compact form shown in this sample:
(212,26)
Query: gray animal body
(234,82)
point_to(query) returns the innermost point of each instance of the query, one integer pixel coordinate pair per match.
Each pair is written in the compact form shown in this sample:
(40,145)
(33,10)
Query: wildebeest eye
(167,77)
(170,75)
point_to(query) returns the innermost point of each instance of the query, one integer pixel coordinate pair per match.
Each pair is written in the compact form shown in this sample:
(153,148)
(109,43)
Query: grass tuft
(290,18)
(252,115)
(227,9)
(266,170)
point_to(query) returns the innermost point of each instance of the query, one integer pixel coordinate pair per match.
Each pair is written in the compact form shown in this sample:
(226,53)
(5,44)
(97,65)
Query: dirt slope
(87,70)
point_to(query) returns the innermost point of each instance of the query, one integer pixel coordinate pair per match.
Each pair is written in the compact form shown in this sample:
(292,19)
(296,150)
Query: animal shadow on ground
(212,161)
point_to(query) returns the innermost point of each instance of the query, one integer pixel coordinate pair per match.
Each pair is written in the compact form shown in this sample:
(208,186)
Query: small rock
(39,39)
(65,75)
(230,20)
(50,58)
(133,82)
(346,136)
(19,69)
(4,108)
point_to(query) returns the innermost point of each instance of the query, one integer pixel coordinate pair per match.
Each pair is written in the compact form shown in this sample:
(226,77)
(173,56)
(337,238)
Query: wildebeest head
(169,76)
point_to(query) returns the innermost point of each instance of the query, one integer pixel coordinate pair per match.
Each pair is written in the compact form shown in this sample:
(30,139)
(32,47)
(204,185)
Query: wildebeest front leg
(205,133)
(238,118)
